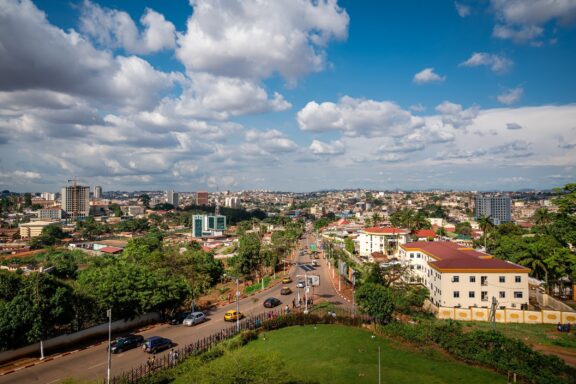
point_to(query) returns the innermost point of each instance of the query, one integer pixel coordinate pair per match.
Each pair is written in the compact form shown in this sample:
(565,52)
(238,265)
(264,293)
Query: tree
(248,260)
(464,228)
(145,199)
(376,300)
(50,235)
(349,245)
(486,225)
(27,199)
(115,208)
(566,199)
(542,217)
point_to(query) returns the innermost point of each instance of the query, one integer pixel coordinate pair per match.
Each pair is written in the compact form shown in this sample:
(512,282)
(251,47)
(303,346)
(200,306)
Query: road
(90,364)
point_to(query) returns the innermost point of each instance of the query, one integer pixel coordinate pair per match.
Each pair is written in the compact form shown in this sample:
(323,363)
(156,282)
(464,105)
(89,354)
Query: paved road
(90,364)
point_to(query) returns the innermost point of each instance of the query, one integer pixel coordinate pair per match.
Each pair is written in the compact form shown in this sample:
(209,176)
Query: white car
(300,284)
(194,318)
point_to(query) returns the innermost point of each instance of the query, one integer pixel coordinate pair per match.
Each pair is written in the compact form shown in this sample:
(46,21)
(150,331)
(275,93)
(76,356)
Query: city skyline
(288,95)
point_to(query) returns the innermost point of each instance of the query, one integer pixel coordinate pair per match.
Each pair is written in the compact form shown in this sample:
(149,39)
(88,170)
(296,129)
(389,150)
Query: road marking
(53,381)
(96,366)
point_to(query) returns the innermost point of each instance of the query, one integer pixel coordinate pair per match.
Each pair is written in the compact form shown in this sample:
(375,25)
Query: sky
(288,95)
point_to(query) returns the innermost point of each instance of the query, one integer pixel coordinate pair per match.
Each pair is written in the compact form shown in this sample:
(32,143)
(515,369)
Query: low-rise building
(463,277)
(34,229)
(50,214)
(383,240)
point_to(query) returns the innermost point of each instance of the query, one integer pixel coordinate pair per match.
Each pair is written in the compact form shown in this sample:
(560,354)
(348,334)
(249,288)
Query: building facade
(208,225)
(50,214)
(462,277)
(382,240)
(172,198)
(76,201)
(232,202)
(497,208)
(97,192)
(33,229)
(201,198)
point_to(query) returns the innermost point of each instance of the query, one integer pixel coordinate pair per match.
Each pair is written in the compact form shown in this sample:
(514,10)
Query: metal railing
(264,321)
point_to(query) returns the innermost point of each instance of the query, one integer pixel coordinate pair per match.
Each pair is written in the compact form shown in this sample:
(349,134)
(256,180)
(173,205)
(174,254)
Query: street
(91,364)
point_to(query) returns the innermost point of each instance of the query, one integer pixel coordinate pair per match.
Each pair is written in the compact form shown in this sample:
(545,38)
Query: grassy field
(544,334)
(338,354)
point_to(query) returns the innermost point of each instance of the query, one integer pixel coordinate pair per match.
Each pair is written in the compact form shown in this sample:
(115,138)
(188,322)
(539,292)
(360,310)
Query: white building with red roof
(463,277)
(381,239)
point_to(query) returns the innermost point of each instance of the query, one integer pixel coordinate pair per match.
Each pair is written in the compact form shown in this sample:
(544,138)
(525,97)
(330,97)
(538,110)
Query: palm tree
(542,217)
(537,266)
(486,225)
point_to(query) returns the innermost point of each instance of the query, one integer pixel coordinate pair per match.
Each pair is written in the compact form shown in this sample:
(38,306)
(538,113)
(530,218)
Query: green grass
(544,334)
(338,354)
(258,286)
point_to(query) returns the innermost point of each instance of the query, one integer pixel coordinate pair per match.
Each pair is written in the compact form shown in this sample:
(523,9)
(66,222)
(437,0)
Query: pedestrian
(151,362)
(286,309)
(229,297)
(300,302)
(294,303)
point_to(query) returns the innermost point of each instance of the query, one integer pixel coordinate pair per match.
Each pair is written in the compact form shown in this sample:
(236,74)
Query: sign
(313,280)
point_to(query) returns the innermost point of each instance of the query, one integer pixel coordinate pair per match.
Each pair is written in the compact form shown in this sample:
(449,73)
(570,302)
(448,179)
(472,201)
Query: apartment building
(462,277)
(382,240)
(498,208)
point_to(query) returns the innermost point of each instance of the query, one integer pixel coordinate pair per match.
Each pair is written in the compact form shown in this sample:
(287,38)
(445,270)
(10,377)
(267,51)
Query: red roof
(111,250)
(385,231)
(424,233)
(451,256)
(477,263)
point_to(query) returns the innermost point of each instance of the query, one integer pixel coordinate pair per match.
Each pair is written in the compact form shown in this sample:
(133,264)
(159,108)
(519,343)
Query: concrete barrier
(74,338)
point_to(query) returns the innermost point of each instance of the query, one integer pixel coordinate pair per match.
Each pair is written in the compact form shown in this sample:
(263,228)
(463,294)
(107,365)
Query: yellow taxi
(232,315)
(286,280)
(285,291)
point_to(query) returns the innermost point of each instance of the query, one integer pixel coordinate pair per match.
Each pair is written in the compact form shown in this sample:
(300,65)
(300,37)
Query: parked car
(124,343)
(286,280)
(315,263)
(194,318)
(156,344)
(285,291)
(271,302)
(300,284)
(178,318)
(232,315)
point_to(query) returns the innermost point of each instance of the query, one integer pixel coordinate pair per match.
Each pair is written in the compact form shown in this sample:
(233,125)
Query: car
(232,315)
(124,343)
(178,318)
(156,344)
(285,291)
(286,280)
(315,263)
(194,318)
(271,302)
(300,284)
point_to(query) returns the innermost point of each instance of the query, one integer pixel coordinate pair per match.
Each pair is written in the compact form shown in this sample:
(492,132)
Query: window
(418,267)
(484,295)
(455,279)
(484,280)
(518,294)
(472,279)
(502,294)
(417,255)
(518,279)
(502,279)
(456,294)
(471,294)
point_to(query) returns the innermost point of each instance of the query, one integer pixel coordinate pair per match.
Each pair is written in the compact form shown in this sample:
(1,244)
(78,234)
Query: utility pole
(109,370)
(237,305)
(379,369)
(306,292)
(493,312)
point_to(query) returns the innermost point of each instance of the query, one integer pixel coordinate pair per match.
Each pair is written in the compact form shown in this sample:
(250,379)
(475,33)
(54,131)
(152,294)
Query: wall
(507,315)
(73,338)
(546,300)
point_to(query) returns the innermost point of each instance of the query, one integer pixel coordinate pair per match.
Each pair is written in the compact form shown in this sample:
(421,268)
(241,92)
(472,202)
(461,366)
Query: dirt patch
(566,354)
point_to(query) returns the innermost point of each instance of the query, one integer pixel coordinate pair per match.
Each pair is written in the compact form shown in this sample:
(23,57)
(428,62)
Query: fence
(507,315)
(265,321)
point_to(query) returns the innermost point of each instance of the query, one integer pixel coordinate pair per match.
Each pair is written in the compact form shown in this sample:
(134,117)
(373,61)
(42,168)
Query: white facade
(462,277)
(50,214)
(97,192)
(232,202)
(172,198)
(383,240)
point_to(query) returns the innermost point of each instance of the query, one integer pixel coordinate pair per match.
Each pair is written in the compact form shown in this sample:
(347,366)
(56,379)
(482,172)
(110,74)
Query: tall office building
(76,200)
(97,192)
(201,198)
(497,208)
(172,198)
(232,202)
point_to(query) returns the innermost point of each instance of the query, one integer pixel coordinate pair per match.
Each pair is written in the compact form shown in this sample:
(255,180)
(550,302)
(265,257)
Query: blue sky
(288,95)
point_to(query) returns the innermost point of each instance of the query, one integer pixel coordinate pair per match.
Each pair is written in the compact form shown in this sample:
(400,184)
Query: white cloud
(271,141)
(497,63)
(428,75)
(218,97)
(358,117)
(462,9)
(417,107)
(256,39)
(321,148)
(454,115)
(116,29)
(511,96)
(523,21)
